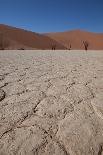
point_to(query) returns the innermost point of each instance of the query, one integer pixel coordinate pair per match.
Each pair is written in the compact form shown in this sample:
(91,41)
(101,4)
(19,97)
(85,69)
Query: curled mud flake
(2,94)
(100,152)
(1,77)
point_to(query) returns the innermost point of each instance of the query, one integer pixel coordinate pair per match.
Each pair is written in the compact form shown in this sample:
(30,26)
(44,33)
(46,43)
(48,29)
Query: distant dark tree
(86,44)
(70,47)
(53,47)
(4,42)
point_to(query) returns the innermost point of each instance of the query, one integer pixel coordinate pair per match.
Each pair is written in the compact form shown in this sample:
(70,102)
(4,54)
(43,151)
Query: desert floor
(51,103)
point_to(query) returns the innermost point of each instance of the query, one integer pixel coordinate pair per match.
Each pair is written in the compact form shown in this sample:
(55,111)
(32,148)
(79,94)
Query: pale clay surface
(51,103)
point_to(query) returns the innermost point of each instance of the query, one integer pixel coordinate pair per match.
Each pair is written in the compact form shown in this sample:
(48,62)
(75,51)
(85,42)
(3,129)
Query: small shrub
(21,49)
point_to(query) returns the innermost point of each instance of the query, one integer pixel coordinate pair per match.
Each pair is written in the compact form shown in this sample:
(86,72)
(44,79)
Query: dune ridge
(23,39)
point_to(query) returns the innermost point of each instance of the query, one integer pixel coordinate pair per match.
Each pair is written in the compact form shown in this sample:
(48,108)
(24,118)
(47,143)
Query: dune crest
(75,39)
(19,38)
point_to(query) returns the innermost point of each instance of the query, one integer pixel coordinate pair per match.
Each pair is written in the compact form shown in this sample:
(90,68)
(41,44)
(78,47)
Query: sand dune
(76,38)
(20,38)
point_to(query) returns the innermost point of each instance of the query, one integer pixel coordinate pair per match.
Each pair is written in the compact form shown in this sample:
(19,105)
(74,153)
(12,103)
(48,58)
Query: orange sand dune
(76,38)
(19,38)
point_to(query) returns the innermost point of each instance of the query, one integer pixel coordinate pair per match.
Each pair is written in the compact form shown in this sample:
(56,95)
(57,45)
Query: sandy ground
(51,103)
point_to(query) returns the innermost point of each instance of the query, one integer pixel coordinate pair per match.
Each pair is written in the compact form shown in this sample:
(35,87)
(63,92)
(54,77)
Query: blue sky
(53,15)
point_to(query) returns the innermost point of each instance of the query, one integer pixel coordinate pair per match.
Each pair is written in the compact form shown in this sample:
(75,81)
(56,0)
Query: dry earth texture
(51,103)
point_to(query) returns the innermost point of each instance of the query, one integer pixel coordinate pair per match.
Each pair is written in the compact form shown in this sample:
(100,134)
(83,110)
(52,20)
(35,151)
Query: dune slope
(19,38)
(75,38)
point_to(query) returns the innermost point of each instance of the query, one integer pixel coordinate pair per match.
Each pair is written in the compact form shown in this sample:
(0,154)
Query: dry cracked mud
(51,103)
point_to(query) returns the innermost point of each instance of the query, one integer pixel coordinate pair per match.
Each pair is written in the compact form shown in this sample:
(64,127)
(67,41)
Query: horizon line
(29,30)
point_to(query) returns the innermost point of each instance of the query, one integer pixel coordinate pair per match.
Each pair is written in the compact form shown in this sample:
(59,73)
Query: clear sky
(53,15)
